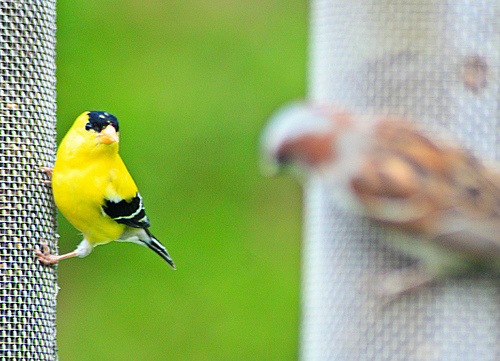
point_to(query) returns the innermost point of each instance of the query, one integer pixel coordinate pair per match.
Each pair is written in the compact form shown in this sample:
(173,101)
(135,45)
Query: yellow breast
(84,176)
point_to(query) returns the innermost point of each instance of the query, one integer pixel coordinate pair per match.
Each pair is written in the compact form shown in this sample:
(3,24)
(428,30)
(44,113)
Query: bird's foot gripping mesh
(438,62)
(27,216)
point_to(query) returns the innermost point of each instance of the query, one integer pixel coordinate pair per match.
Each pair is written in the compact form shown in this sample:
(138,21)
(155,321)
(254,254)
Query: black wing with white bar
(130,213)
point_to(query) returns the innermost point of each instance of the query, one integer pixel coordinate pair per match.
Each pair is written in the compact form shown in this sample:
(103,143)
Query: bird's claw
(49,171)
(46,257)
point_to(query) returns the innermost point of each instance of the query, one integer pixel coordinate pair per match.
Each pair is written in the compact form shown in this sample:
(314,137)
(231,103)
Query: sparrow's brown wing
(437,191)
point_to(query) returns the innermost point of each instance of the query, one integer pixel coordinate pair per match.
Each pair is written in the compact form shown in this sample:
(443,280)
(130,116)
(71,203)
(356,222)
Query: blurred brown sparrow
(442,202)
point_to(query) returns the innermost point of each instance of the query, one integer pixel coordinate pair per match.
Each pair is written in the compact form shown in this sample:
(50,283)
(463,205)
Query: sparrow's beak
(108,135)
(270,167)
(271,162)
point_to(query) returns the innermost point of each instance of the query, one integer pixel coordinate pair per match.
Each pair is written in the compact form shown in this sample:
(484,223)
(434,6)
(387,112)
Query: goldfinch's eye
(88,126)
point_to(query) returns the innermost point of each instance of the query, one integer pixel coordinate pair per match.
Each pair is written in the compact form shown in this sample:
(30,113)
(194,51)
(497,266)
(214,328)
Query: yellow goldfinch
(393,173)
(95,192)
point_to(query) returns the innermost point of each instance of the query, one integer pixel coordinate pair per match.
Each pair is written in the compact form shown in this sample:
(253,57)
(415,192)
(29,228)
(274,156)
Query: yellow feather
(86,173)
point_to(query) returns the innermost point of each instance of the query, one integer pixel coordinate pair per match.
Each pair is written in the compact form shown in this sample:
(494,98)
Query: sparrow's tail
(159,248)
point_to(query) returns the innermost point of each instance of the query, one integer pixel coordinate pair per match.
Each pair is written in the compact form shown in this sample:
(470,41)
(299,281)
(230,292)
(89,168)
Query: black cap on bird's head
(104,124)
(99,120)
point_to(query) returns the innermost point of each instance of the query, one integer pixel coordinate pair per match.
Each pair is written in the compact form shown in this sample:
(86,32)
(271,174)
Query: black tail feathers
(159,248)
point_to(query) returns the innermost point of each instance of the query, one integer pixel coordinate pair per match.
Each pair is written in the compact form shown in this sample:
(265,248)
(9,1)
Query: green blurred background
(192,83)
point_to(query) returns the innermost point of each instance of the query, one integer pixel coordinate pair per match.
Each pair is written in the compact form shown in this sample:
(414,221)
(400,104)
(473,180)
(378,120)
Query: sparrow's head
(299,135)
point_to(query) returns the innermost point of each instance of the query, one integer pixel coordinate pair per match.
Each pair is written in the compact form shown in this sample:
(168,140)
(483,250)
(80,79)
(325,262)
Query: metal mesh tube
(438,62)
(27,215)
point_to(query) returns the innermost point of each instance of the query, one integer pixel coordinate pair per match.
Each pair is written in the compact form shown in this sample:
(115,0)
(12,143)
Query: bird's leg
(83,249)
(49,171)
(48,258)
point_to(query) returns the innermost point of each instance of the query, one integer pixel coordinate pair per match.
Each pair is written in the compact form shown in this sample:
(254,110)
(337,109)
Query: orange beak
(108,135)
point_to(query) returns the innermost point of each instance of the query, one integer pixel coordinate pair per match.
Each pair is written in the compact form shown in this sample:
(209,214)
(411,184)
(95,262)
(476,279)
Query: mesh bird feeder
(27,215)
(436,61)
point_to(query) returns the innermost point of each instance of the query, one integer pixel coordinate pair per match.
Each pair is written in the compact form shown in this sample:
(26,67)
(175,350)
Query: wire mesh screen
(27,142)
(438,62)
